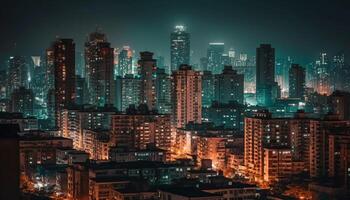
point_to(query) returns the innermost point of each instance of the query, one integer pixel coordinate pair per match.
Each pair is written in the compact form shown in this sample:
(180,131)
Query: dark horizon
(296,28)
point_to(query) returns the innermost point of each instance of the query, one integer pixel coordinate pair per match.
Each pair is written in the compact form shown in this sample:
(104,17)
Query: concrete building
(128,91)
(215,54)
(61,64)
(329,141)
(296,81)
(139,128)
(99,64)
(179,47)
(22,101)
(97,143)
(187,96)
(262,131)
(266,87)
(208,92)
(25,123)
(38,148)
(163,91)
(147,72)
(229,86)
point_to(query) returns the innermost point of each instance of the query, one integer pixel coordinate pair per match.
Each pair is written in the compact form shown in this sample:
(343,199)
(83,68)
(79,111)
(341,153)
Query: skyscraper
(163,91)
(147,72)
(203,63)
(215,57)
(323,80)
(81,90)
(63,58)
(179,47)
(340,73)
(22,100)
(17,73)
(207,88)
(229,86)
(187,96)
(296,81)
(125,61)
(263,131)
(99,62)
(127,91)
(266,87)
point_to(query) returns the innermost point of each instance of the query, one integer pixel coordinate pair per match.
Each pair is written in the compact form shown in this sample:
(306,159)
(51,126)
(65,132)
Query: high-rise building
(163,90)
(213,148)
(266,87)
(340,73)
(229,86)
(125,61)
(179,47)
(339,104)
(38,81)
(296,81)
(262,131)
(99,62)
(214,55)
(127,91)
(323,80)
(62,55)
(140,128)
(232,56)
(147,72)
(80,64)
(203,64)
(282,74)
(161,63)
(81,90)
(22,100)
(187,96)
(208,94)
(329,148)
(17,72)
(49,70)
(75,119)
(3,84)
(229,115)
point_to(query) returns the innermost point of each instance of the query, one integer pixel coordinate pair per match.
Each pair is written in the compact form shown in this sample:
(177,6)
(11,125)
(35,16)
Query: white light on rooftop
(216,43)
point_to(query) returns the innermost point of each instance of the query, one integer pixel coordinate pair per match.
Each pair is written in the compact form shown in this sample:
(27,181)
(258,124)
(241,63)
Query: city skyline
(305,29)
(174,100)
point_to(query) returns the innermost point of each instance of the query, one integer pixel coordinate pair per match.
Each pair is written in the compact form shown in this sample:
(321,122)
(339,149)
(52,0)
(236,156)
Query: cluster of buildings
(116,128)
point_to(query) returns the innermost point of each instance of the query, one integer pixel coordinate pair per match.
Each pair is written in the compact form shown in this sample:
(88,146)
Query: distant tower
(187,96)
(127,91)
(229,86)
(266,87)
(125,61)
(207,88)
(179,47)
(215,57)
(147,72)
(99,63)
(163,91)
(296,81)
(17,73)
(323,80)
(22,100)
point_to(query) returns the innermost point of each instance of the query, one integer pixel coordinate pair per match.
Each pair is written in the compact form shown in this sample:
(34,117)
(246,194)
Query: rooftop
(188,192)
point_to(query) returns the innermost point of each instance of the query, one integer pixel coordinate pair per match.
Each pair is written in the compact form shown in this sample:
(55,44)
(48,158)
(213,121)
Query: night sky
(300,29)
